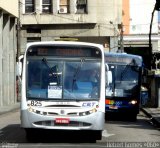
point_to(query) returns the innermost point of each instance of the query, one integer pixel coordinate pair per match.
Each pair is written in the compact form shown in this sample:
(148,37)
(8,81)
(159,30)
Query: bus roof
(64,43)
(122,58)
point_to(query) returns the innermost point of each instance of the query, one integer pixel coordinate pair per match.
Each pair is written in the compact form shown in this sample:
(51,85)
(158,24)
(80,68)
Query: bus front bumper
(122,109)
(88,122)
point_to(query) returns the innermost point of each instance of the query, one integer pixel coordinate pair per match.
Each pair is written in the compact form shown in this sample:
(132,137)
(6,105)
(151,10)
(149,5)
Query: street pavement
(152,113)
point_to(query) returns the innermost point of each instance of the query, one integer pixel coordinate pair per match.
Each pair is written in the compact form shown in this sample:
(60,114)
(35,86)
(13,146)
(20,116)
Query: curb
(147,113)
(154,120)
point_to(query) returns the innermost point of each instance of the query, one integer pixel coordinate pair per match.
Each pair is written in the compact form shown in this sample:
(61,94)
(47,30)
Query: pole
(18,31)
(18,50)
(115,34)
(150,33)
(121,39)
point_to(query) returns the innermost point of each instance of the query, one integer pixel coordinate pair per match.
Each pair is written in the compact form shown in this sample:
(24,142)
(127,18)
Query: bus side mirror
(108,77)
(19,65)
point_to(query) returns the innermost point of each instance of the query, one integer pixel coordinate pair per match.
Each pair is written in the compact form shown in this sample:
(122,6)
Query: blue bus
(124,91)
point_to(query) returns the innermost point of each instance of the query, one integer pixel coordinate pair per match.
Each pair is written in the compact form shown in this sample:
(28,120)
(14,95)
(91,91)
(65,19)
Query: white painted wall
(140,16)
(11,6)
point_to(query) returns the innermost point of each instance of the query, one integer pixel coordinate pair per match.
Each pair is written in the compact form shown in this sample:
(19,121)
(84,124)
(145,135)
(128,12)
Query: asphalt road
(118,132)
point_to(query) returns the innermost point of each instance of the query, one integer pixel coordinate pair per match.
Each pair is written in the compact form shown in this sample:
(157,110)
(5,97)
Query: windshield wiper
(77,72)
(44,60)
(46,63)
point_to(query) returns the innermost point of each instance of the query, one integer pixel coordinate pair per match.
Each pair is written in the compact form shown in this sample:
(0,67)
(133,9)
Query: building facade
(136,18)
(8,49)
(88,20)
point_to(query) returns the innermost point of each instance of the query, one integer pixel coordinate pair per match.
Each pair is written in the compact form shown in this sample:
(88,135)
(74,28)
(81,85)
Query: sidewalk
(5,109)
(154,114)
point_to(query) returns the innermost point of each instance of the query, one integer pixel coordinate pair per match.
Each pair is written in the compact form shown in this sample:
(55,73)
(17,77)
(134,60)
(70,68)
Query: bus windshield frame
(81,75)
(125,80)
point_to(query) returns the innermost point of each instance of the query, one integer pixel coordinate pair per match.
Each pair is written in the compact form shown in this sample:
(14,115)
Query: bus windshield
(125,80)
(55,79)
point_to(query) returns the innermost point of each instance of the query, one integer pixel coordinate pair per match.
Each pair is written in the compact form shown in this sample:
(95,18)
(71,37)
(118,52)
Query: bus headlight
(88,112)
(133,102)
(30,109)
(93,110)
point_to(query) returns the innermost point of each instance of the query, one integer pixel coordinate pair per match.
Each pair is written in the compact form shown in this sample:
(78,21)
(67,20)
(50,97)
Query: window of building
(33,30)
(46,6)
(33,39)
(29,6)
(81,6)
(64,6)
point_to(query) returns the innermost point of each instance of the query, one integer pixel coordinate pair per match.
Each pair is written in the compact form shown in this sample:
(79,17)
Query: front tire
(98,135)
(133,117)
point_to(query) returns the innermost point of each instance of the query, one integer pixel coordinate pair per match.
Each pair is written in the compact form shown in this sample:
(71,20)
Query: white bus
(63,87)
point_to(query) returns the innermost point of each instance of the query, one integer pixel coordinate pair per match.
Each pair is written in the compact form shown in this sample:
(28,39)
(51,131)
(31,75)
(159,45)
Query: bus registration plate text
(113,107)
(62,121)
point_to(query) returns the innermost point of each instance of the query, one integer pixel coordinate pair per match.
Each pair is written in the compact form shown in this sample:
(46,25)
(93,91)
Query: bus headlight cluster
(88,112)
(133,102)
(30,109)
(36,111)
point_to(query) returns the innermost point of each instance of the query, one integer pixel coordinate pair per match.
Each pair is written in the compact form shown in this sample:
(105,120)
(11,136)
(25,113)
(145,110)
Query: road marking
(106,134)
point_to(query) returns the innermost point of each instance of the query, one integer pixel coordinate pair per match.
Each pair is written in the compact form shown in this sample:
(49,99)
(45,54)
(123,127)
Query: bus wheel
(98,135)
(134,117)
(92,136)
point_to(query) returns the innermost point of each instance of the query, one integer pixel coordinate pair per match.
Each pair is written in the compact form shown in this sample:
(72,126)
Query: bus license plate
(62,120)
(113,107)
